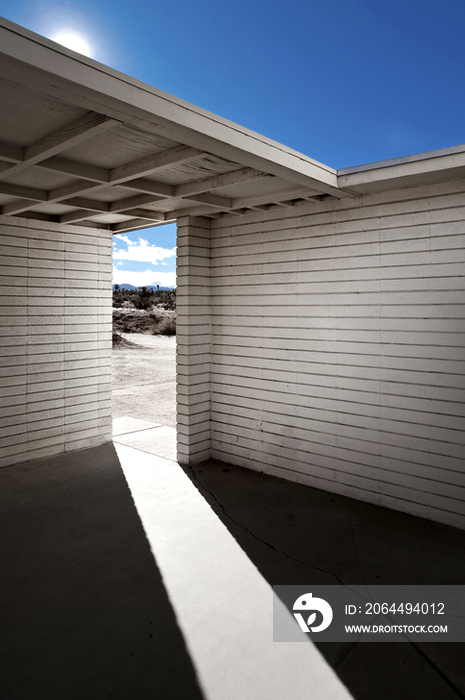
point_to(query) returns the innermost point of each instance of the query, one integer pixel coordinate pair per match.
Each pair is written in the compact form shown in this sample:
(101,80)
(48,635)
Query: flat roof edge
(426,155)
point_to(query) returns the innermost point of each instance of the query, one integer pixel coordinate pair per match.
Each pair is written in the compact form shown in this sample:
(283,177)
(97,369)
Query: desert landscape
(144,355)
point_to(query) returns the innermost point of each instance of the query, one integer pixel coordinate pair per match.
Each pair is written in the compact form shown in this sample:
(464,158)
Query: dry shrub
(167,326)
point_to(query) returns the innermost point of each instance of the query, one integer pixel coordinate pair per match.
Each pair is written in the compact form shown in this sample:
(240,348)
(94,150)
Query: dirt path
(144,378)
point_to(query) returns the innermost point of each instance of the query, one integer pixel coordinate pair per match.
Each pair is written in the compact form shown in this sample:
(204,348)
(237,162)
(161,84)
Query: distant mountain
(153,287)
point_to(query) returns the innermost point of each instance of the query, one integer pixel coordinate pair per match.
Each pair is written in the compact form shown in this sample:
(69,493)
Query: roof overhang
(408,171)
(83,144)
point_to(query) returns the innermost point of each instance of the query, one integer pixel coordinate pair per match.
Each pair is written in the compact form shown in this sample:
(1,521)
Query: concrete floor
(125,576)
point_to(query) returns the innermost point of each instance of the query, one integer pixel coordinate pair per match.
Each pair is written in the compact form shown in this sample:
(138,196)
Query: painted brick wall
(193,327)
(55,338)
(338,346)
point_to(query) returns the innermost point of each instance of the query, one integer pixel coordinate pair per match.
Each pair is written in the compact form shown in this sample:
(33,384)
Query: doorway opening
(144,339)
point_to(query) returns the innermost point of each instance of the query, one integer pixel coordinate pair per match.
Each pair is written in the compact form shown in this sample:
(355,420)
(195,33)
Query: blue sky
(345,82)
(146,258)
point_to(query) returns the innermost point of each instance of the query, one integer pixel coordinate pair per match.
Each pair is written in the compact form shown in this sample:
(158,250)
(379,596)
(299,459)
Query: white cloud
(141,251)
(146,278)
(120,263)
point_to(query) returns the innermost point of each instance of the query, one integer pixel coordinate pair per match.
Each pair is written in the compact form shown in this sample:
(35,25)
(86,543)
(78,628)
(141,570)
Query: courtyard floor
(127,576)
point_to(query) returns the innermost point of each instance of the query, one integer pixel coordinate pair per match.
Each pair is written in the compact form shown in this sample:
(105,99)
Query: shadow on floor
(299,535)
(84,610)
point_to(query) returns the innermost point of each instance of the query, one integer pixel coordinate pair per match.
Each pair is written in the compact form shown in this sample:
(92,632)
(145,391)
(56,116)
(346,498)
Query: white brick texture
(55,338)
(193,328)
(338,346)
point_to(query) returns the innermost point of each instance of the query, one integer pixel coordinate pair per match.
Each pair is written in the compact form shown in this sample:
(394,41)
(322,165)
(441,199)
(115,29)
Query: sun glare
(74,42)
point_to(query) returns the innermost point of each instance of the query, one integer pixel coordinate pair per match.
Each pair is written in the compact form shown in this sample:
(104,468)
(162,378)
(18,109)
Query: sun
(73,41)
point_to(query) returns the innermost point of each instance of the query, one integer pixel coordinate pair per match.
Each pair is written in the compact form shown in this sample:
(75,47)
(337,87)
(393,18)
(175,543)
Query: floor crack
(441,675)
(259,539)
(344,656)
(430,663)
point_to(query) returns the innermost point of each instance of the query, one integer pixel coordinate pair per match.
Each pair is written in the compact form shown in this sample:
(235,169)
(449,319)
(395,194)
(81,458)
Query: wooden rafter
(146,166)
(117,176)
(84,171)
(211,200)
(24,192)
(133,175)
(138,200)
(226,179)
(61,140)
(134,224)
(150,187)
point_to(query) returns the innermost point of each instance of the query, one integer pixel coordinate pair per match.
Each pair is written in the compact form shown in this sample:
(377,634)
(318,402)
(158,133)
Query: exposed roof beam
(23,192)
(40,216)
(212,200)
(12,154)
(60,194)
(286,204)
(82,214)
(146,214)
(86,203)
(147,166)
(201,210)
(162,160)
(4,166)
(18,206)
(259,207)
(258,202)
(73,217)
(151,187)
(138,200)
(82,170)
(60,140)
(134,224)
(279,198)
(74,188)
(87,207)
(119,175)
(226,179)
(104,208)
(31,197)
(68,136)
(314,197)
(98,175)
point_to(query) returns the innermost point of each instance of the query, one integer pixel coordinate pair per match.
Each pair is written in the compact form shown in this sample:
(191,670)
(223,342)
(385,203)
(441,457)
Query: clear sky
(345,82)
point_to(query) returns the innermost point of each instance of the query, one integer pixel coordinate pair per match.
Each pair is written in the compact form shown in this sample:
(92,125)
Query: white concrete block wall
(193,328)
(55,338)
(338,346)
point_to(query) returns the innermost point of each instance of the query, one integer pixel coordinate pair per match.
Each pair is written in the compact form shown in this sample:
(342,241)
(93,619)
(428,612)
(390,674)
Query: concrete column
(193,340)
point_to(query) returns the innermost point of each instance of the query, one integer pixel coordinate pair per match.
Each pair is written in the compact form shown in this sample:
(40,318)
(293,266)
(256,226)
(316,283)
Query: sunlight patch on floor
(223,604)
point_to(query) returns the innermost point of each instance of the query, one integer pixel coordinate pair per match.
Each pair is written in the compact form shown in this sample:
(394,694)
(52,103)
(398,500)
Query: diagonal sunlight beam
(223,605)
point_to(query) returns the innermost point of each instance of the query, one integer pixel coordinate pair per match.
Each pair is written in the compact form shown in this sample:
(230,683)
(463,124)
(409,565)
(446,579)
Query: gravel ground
(144,378)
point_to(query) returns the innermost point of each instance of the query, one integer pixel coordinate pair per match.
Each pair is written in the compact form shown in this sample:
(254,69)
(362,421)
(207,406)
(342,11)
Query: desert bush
(167,326)
(143,303)
(154,322)
(144,297)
